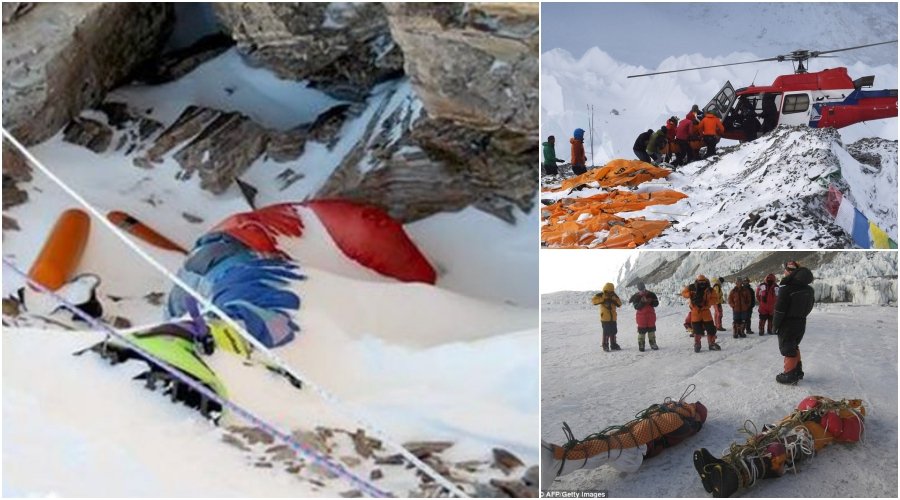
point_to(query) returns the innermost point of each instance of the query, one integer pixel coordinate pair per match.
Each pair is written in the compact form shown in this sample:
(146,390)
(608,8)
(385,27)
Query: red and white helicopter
(827,98)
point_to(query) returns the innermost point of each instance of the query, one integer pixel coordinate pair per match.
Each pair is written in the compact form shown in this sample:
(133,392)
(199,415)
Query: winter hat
(663,128)
(721,279)
(770,278)
(609,287)
(650,130)
(791,265)
(579,133)
(695,109)
(641,286)
(550,138)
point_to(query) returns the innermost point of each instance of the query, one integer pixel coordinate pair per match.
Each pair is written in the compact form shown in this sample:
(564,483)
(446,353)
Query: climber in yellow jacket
(608,302)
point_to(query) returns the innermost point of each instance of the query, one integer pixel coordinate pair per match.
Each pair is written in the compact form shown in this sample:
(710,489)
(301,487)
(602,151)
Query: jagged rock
(14,10)
(88,133)
(15,167)
(224,150)
(233,441)
(190,123)
(351,461)
(396,459)
(474,63)
(506,461)
(532,476)
(314,439)
(327,125)
(10,224)
(515,489)
(424,449)
(341,48)
(193,219)
(10,306)
(470,465)
(173,65)
(376,474)
(253,435)
(287,146)
(12,195)
(363,444)
(352,494)
(119,322)
(60,58)
(155,298)
(281,453)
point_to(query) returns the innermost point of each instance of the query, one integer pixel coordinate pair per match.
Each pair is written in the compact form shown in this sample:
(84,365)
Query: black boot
(789,378)
(800,370)
(696,347)
(615,347)
(716,475)
(656,347)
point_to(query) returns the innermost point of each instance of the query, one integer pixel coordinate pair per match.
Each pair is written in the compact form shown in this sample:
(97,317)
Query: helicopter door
(795,109)
(722,102)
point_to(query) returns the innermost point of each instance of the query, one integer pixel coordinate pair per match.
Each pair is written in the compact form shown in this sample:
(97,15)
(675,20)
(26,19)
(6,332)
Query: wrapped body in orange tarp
(570,233)
(617,173)
(614,202)
(634,233)
(568,225)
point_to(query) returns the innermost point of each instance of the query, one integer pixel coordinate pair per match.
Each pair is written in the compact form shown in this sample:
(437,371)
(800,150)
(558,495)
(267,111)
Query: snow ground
(591,389)
(425,371)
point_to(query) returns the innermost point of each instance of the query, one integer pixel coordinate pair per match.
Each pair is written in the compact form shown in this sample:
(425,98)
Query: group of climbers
(679,142)
(782,311)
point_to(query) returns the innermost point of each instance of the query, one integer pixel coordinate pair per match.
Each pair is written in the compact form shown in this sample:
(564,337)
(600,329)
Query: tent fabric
(617,172)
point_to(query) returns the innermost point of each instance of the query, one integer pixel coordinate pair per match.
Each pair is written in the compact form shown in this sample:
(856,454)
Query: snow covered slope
(772,192)
(590,390)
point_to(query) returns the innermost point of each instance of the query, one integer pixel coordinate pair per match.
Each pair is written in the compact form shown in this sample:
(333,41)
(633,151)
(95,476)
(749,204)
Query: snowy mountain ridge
(872,282)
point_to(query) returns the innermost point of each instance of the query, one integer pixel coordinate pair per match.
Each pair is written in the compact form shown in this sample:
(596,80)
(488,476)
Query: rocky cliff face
(342,48)
(472,64)
(458,128)
(61,58)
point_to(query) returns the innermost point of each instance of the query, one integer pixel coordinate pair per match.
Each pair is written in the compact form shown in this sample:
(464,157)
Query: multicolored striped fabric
(865,233)
(250,284)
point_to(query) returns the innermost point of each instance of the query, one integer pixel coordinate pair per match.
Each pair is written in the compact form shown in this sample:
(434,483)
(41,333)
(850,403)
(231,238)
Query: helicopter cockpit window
(796,103)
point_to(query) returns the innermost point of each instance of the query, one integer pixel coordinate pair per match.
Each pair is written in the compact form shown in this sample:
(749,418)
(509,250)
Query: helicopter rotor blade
(706,67)
(818,54)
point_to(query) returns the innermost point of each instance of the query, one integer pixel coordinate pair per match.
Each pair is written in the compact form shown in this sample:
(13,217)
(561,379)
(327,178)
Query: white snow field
(418,362)
(848,352)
